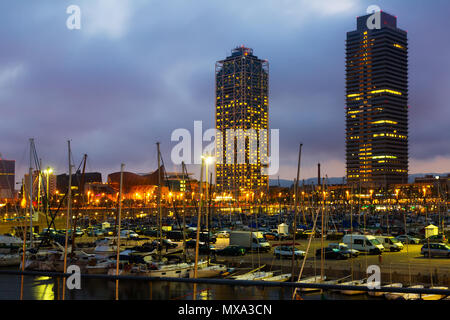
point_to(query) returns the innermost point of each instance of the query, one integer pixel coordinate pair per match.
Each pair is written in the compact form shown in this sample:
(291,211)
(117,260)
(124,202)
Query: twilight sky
(139,69)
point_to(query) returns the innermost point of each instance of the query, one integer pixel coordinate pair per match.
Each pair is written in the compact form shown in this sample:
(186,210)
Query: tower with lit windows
(377,103)
(242,104)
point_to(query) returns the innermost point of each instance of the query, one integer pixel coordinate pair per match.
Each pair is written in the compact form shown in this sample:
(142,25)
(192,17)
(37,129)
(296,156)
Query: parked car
(344,249)
(206,249)
(128,234)
(435,249)
(286,252)
(305,234)
(203,236)
(167,244)
(175,235)
(231,250)
(331,253)
(438,238)
(223,234)
(405,239)
(271,236)
(391,243)
(191,243)
(108,231)
(151,232)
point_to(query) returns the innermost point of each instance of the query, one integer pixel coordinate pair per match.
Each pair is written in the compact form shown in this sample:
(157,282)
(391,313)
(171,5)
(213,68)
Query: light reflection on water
(46,288)
(42,288)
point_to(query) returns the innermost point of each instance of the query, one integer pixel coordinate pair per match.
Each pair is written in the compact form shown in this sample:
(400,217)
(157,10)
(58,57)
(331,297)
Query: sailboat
(404,296)
(105,247)
(308,280)
(258,275)
(280,278)
(9,248)
(255,274)
(381,293)
(353,283)
(9,243)
(315,280)
(434,296)
(10,260)
(209,271)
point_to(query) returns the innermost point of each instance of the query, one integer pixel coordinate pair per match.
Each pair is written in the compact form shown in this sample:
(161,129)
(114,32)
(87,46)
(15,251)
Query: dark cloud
(137,70)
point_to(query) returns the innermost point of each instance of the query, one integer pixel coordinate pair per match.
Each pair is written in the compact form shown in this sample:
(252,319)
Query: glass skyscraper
(242,89)
(377,103)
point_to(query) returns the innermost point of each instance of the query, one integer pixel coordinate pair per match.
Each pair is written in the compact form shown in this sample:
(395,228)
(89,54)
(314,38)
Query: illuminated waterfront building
(377,103)
(242,103)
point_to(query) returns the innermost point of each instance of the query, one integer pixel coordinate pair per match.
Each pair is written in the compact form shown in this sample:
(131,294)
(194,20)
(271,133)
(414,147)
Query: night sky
(137,70)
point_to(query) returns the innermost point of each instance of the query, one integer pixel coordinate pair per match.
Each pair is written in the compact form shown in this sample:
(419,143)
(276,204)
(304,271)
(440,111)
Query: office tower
(377,103)
(7,177)
(242,89)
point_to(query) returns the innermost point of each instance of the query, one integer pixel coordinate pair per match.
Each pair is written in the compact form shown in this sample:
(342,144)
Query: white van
(390,243)
(363,243)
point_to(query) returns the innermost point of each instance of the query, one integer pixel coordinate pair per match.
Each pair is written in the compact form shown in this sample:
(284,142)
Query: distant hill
(287,183)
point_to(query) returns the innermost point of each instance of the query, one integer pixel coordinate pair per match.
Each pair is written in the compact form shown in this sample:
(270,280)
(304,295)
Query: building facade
(7,179)
(377,103)
(242,106)
(40,184)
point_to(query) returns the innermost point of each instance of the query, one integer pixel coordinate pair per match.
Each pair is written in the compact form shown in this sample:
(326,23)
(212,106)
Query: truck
(251,241)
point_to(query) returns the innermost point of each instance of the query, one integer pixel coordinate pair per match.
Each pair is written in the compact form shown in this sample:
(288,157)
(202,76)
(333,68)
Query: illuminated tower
(242,89)
(377,103)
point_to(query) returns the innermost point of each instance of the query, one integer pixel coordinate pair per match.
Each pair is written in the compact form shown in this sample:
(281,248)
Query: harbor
(137,161)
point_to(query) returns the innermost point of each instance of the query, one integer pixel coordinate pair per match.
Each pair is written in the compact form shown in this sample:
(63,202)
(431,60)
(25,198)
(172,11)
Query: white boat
(105,247)
(434,296)
(404,296)
(100,267)
(279,278)
(161,270)
(179,270)
(380,293)
(353,283)
(313,279)
(10,260)
(259,275)
(10,243)
(209,271)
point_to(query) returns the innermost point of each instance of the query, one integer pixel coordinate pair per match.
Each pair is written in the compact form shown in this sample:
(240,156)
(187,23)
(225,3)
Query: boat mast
(199,217)
(159,202)
(30,192)
(295,210)
(322,256)
(118,229)
(184,211)
(69,209)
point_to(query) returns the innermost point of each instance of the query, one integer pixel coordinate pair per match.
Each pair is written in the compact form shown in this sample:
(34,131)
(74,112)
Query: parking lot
(406,261)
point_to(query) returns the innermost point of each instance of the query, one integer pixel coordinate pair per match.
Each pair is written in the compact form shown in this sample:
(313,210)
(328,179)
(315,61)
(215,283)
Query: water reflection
(42,288)
(46,288)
